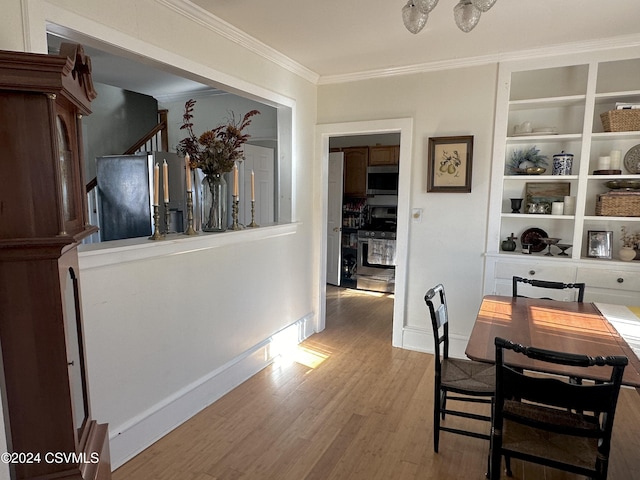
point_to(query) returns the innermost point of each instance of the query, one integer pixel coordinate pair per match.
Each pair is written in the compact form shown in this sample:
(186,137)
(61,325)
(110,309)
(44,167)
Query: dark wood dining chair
(546,284)
(458,380)
(550,420)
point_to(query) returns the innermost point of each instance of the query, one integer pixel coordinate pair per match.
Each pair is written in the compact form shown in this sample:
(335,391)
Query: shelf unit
(567,94)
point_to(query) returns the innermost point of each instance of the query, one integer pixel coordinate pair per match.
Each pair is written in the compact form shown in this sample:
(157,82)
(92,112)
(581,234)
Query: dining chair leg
(436,418)
(443,402)
(495,460)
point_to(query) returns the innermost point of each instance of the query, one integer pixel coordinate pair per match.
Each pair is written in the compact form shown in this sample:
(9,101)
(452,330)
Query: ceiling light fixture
(466,13)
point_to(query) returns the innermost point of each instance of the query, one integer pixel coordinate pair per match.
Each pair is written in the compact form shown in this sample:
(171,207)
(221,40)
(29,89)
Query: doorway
(405,128)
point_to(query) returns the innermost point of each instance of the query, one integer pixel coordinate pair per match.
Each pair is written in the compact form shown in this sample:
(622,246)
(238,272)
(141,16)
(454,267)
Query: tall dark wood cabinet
(43,217)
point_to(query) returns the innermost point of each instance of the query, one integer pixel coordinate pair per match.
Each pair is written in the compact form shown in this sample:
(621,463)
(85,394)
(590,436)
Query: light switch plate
(416,215)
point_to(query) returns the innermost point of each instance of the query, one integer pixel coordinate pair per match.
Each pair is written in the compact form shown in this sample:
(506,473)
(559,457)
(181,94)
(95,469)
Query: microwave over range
(382,180)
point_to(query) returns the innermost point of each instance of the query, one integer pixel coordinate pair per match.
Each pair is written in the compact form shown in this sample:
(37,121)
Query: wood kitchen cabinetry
(43,217)
(384,155)
(562,100)
(356,160)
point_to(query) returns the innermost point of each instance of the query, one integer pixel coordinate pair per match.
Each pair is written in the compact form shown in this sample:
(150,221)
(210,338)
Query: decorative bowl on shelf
(535,170)
(563,248)
(623,184)
(550,241)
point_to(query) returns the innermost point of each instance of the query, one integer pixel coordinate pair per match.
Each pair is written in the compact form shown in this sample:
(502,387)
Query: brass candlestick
(156,224)
(190,230)
(234,213)
(167,218)
(253,223)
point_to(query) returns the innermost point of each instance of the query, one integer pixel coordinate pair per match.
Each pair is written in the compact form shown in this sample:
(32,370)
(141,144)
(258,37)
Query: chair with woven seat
(549,285)
(550,420)
(467,380)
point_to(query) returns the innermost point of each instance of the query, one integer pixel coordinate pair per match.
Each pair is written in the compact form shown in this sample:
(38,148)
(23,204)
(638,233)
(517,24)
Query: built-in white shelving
(565,96)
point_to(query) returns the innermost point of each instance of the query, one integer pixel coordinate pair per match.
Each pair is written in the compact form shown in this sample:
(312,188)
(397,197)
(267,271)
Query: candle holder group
(160,231)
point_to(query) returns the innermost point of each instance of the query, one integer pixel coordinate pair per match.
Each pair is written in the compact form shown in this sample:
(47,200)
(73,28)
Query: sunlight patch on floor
(301,355)
(285,349)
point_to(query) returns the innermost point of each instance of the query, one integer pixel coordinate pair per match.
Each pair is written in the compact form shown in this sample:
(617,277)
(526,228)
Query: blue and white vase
(562,163)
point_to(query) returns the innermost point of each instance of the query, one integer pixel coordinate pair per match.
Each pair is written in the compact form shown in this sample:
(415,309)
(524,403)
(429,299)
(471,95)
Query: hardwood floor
(346,406)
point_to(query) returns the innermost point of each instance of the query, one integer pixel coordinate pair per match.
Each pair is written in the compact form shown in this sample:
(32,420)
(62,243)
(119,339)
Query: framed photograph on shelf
(599,244)
(449,164)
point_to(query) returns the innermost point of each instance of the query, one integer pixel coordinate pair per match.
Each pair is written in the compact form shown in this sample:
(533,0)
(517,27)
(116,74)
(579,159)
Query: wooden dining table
(571,327)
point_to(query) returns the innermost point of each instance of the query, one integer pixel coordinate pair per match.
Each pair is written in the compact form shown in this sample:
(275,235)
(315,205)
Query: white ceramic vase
(627,254)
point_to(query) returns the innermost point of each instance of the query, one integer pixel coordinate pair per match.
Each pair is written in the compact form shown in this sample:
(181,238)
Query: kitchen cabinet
(356,160)
(384,155)
(561,100)
(43,218)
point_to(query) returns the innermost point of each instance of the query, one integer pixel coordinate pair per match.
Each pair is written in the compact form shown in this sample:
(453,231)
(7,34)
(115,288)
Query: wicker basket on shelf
(618,204)
(621,120)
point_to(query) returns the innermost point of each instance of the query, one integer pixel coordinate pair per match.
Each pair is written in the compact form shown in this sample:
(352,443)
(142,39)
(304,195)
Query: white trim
(132,437)
(405,127)
(96,255)
(228,31)
(421,340)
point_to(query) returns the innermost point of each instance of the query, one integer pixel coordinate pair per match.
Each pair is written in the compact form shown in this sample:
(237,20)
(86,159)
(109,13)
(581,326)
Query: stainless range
(375,268)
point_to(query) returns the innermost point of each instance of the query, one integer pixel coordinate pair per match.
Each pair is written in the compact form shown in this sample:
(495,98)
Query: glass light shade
(466,15)
(425,6)
(413,18)
(483,5)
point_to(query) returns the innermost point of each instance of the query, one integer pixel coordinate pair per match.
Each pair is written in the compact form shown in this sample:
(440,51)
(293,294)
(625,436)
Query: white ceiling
(334,40)
(337,37)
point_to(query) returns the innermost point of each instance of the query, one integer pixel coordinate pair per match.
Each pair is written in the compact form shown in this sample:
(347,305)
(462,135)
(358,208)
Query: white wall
(213,110)
(447,246)
(157,328)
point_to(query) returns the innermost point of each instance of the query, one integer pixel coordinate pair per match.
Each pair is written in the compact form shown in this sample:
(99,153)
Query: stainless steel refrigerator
(125,194)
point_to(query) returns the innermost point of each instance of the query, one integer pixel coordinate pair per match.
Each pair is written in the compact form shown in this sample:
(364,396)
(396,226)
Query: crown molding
(217,25)
(574,48)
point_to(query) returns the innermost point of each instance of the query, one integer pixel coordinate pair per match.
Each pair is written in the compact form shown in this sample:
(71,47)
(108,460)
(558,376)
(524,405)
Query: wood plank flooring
(346,406)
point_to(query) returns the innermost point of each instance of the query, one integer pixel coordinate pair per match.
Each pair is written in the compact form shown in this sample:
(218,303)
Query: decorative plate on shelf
(632,160)
(534,236)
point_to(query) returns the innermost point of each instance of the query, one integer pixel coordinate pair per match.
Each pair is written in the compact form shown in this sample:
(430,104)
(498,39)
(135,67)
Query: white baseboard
(132,437)
(421,340)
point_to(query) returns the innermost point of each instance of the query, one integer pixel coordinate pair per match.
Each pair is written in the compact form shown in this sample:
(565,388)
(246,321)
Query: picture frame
(539,196)
(449,164)
(599,244)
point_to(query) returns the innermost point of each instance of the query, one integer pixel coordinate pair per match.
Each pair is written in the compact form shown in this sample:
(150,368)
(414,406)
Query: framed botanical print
(449,164)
